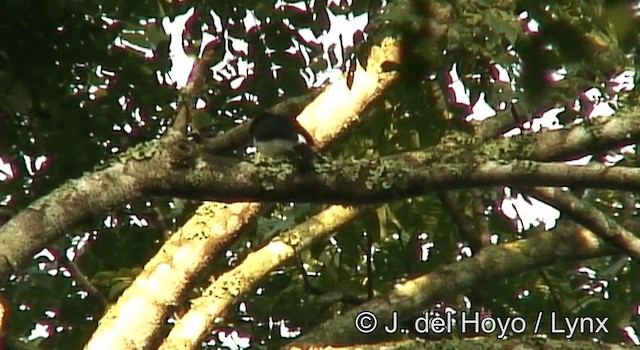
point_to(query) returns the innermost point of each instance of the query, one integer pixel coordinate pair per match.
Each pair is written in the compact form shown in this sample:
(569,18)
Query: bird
(276,135)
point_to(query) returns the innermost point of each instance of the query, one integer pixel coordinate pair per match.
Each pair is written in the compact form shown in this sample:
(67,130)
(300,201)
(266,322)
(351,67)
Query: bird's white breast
(274,148)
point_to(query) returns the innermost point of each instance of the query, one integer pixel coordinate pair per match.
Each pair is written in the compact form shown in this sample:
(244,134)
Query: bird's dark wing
(268,126)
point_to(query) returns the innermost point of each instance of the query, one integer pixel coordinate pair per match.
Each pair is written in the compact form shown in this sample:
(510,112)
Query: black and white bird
(282,136)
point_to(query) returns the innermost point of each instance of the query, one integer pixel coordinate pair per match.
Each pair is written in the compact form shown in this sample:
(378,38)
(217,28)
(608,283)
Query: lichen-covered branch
(591,218)
(368,181)
(164,279)
(48,218)
(221,294)
(491,263)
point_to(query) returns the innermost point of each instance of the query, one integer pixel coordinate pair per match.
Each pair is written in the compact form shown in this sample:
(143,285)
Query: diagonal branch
(49,217)
(221,294)
(171,272)
(605,133)
(491,263)
(194,86)
(591,218)
(460,219)
(576,141)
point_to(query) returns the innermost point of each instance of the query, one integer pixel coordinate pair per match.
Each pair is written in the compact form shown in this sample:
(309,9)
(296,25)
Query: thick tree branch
(491,263)
(135,320)
(347,182)
(591,218)
(219,296)
(78,200)
(370,181)
(604,133)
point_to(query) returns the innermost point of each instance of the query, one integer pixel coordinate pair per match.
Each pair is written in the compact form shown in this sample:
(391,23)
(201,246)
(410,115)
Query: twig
(195,82)
(462,222)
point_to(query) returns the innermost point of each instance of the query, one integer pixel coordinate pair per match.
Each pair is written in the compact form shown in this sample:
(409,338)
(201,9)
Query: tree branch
(195,82)
(169,274)
(219,296)
(491,263)
(367,181)
(78,200)
(346,182)
(591,218)
(460,219)
(604,133)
